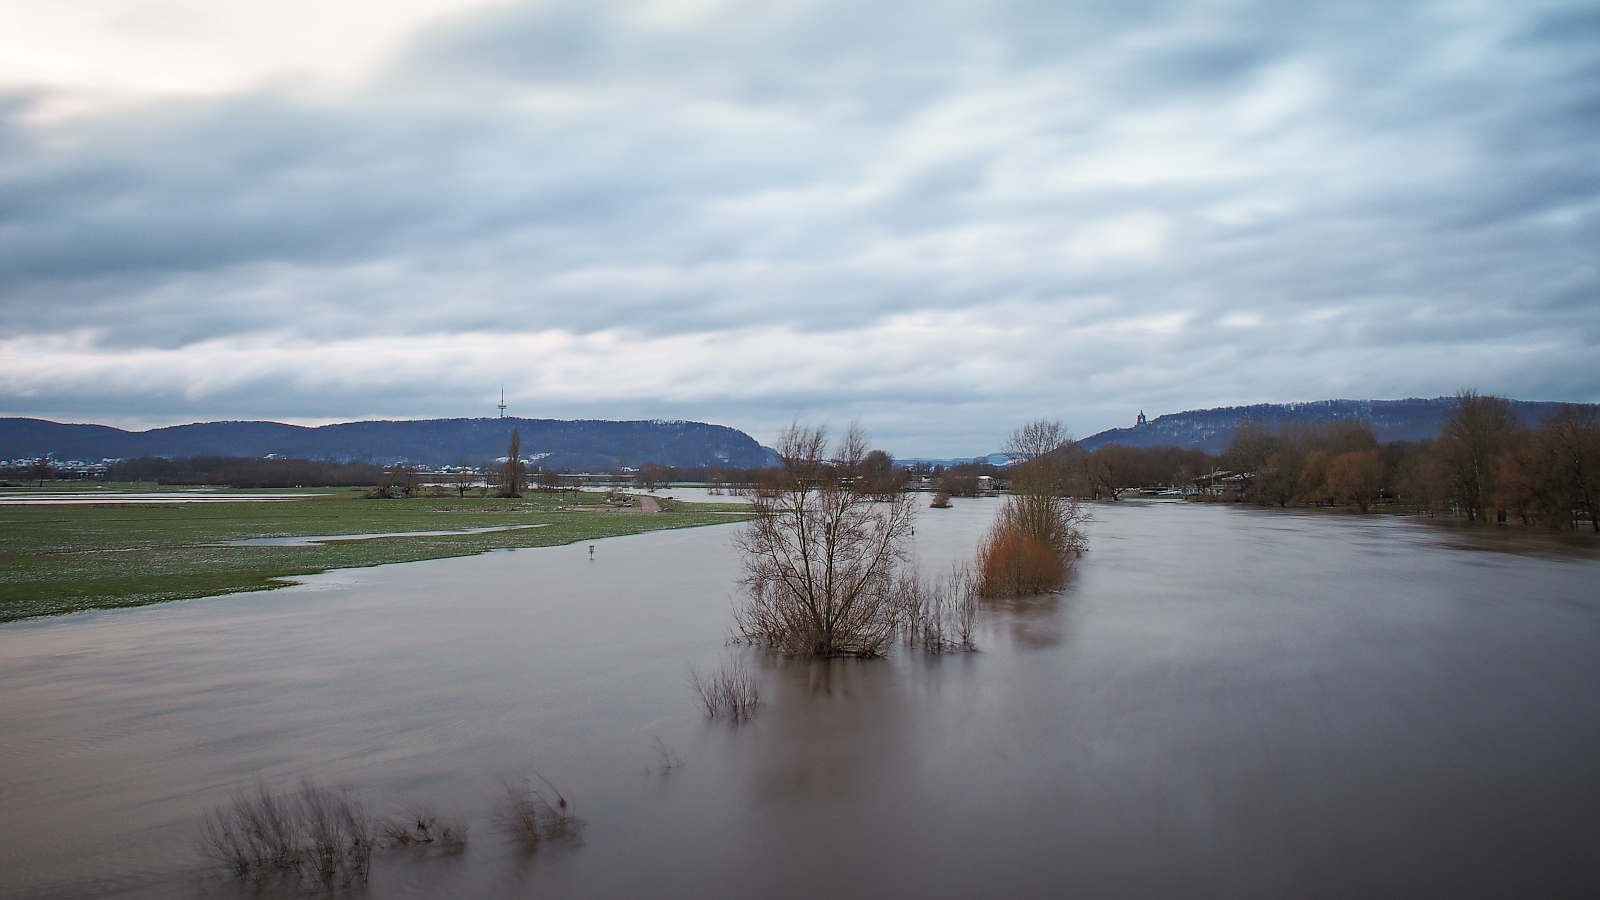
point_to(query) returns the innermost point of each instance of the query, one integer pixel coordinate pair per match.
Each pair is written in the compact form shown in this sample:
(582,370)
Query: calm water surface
(1223,703)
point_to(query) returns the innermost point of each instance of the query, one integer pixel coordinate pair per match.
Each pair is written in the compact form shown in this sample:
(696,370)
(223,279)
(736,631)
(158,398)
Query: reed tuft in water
(664,760)
(315,839)
(422,828)
(534,814)
(729,693)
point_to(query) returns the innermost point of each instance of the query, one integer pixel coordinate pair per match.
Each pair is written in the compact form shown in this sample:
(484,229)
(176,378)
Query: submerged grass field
(64,558)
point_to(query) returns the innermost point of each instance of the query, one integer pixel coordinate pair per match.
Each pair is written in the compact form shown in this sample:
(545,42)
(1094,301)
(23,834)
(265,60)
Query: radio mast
(502,401)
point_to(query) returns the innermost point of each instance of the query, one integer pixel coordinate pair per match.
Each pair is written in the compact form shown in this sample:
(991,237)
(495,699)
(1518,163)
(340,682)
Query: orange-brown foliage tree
(1356,478)
(1313,484)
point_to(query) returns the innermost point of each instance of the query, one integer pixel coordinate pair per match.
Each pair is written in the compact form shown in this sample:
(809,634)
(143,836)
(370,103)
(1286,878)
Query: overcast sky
(941,218)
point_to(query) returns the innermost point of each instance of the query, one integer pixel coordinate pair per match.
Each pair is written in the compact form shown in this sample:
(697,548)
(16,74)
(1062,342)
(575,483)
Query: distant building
(1139,421)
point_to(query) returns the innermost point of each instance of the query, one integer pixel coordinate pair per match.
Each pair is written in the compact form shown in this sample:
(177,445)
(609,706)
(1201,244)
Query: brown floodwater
(1222,703)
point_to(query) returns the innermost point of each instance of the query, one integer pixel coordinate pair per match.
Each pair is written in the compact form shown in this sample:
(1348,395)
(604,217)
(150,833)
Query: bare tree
(650,475)
(879,477)
(1569,451)
(939,617)
(958,484)
(1250,453)
(1471,444)
(819,557)
(464,479)
(397,480)
(1116,469)
(40,470)
(514,466)
(406,479)
(1035,439)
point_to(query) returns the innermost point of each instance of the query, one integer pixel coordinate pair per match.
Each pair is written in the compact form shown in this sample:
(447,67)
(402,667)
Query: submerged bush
(820,557)
(1033,542)
(939,618)
(730,692)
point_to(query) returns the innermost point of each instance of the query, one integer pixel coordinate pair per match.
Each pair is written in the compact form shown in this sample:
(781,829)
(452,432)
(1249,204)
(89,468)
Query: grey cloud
(827,166)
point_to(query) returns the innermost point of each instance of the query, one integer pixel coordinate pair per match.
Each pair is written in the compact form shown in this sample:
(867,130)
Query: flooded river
(1223,703)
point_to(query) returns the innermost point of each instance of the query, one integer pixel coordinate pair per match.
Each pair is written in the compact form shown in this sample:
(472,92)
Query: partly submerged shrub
(1033,542)
(421,828)
(938,617)
(1015,562)
(533,815)
(820,558)
(314,839)
(730,692)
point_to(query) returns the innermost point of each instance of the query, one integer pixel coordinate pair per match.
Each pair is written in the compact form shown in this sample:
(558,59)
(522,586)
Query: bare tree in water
(820,557)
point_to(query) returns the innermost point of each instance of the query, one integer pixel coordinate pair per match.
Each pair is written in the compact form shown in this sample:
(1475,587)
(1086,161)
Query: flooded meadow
(1222,703)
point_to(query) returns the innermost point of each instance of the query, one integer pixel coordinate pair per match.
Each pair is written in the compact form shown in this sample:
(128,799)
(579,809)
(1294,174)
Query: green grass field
(59,558)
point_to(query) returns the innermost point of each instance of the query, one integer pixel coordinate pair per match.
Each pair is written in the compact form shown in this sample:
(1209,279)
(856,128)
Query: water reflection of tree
(834,729)
(1034,620)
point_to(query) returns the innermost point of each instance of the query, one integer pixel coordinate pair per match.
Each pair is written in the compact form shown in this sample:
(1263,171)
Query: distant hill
(566,445)
(1211,429)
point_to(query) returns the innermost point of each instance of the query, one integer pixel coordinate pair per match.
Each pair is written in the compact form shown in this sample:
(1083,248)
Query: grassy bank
(60,558)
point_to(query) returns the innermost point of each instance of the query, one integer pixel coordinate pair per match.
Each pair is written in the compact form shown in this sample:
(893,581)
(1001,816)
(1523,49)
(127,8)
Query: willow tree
(820,556)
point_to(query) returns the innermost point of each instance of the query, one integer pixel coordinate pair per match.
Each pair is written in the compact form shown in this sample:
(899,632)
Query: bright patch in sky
(132,47)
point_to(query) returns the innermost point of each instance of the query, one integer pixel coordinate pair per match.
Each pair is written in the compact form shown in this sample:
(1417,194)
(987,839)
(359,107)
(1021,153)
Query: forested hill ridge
(1210,429)
(553,443)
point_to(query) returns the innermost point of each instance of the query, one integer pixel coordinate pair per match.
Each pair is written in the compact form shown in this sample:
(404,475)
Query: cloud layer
(944,218)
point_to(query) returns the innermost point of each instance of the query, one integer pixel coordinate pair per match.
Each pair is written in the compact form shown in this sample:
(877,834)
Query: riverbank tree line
(244,472)
(1486,465)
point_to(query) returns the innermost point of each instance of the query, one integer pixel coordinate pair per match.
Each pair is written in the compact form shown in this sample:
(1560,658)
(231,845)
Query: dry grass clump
(421,828)
(1032,544)
(664,759)
(533,815)
(314,839)
(939,618)
(730,692)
